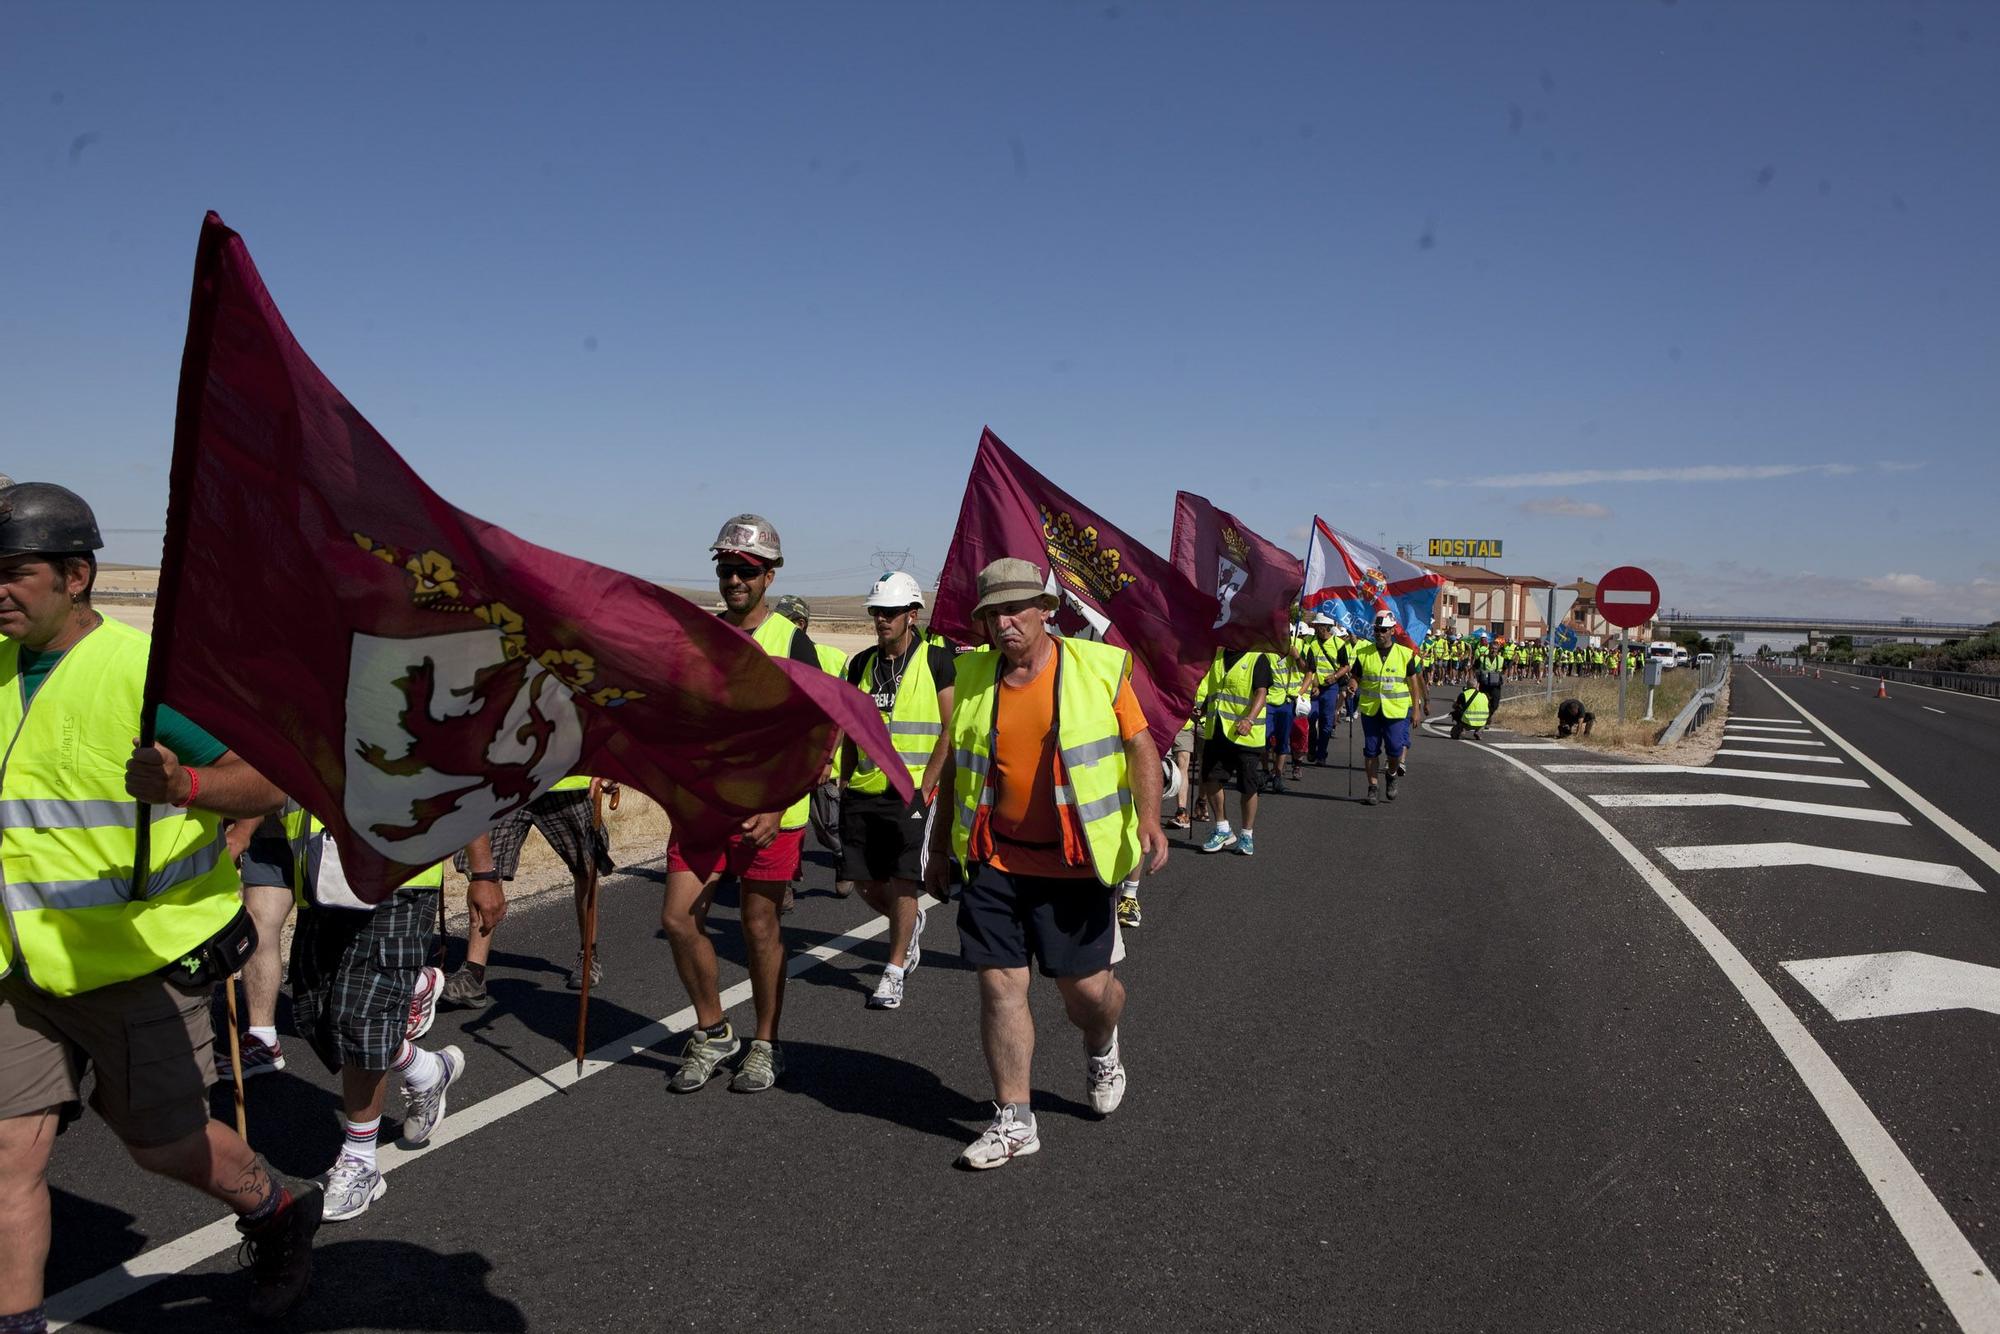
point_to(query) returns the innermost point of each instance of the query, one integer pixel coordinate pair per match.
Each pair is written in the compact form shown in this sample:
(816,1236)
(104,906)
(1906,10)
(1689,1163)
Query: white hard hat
(1324,619)
(1385,620)
(895,589)
(751,534)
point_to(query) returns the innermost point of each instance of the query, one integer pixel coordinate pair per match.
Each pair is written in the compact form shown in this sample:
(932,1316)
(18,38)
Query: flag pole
(180,498)
(590,919)
(236,1057)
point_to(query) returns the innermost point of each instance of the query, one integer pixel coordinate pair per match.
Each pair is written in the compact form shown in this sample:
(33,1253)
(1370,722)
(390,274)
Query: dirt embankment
(1525,710)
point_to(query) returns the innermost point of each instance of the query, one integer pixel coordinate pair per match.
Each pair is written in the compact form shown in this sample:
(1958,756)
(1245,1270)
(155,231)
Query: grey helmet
(751,534)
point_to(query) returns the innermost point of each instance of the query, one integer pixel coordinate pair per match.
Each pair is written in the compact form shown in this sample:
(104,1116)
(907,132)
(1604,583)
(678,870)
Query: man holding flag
(99,972)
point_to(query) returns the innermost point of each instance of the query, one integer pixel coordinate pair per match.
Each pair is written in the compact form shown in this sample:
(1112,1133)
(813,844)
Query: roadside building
(1514,607)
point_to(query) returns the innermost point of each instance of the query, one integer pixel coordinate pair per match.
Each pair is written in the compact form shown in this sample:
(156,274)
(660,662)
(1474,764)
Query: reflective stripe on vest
(1385,689)
(914,720)
(68,832)
(1229,693)
(775,634)
(1095,782)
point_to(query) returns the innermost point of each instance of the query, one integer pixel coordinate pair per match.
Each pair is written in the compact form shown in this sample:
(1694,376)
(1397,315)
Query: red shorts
(740,857)
(1301,736)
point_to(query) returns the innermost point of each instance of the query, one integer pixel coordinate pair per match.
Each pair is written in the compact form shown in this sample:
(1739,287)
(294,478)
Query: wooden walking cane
(236,1055)
(590,919)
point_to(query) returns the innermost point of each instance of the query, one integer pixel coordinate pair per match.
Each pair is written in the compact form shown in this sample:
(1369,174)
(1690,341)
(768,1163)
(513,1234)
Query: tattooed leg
(216,1161)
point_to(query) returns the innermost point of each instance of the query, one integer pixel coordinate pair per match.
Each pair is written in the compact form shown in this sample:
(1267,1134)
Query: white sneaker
(424,1110)
(424,1003)
(1106,1076)
(1005,1140)
(914,955)
(888,992)
(351,1187)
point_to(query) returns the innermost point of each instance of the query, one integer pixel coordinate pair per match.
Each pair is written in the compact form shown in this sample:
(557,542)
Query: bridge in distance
(1821,627)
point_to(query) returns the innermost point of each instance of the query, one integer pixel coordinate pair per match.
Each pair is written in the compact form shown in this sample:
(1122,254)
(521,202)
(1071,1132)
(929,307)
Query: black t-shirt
(860,671)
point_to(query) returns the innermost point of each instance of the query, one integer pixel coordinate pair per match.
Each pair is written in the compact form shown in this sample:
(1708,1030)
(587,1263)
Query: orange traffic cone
(1882,688)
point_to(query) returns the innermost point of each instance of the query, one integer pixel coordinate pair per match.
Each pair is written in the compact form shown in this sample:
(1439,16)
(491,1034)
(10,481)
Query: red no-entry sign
(1627,597)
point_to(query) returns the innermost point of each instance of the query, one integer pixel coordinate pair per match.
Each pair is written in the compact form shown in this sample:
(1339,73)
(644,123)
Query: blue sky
(1704,287)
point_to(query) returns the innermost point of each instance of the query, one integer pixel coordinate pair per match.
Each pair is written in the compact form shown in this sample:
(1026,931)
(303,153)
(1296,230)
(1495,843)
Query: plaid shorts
(353,974)
(564,819)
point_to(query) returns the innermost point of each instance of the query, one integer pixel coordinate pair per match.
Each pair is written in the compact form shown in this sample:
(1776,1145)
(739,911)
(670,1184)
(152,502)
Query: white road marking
(1968,840)
(1962,1278)
(1774,741)
(1528,745)
(1744,718)
(1740,856)
(1647,800)
(1766,727)
(1875,986)
(1928,709)
(1781,755)
(1705,771)
(184,1252)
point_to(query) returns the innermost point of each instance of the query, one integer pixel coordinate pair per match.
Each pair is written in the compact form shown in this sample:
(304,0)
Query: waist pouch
(220,955)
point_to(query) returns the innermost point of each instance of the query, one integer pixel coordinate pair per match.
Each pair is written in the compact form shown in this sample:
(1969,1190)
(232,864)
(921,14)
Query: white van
(1661,651)
(1704,660)
(1680,657)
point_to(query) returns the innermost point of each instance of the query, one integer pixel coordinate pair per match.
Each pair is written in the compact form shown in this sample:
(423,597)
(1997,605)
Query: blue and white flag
(1353,581)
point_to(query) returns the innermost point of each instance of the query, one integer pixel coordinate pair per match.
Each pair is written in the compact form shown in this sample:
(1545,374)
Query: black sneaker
(1389,789)
(1369,800)
(278,1253)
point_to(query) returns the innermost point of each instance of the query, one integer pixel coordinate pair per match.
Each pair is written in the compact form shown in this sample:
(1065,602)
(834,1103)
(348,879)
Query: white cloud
(1893,465)
(1903,585)
(1567,508)
(1705,472)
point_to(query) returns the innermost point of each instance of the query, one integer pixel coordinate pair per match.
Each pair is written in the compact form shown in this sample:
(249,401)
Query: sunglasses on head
(734,571)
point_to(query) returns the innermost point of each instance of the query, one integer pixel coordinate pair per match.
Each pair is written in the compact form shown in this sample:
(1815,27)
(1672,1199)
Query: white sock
(1129,889)
(1222,826)
(1248,830)
(895,968)
(359,1143)
(421,1070)
(267,1036)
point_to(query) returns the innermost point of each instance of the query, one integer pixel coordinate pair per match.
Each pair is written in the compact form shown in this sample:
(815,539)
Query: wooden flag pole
(590,918)
(236,1056)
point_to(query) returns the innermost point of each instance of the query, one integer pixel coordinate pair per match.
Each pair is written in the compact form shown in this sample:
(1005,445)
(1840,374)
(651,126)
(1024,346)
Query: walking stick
(1350,759)
(590,920)
(236,1055)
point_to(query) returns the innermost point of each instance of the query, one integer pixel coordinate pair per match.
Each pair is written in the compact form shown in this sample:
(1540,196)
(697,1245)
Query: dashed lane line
(1734,726)
(1928,709)
(184,1252)
(1657,800)
(1704,771)
(1962,1278)
(1527,745)
(1745,718)
(1781,755)
(1938,690)
(1747,856)
(1968,840)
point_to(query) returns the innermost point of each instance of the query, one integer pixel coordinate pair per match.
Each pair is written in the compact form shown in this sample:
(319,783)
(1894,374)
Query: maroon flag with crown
(411,673)
(1111,588)
(1255,581)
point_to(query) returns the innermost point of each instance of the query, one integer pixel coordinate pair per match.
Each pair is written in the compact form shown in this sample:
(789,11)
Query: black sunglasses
(744,572)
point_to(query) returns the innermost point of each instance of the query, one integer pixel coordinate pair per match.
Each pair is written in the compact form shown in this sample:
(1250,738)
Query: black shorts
(353,974)
(1224,761)
(881,837)
(1067,925)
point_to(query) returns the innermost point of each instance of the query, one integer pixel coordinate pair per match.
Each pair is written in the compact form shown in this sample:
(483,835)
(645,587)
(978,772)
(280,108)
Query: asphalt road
(1452,1063)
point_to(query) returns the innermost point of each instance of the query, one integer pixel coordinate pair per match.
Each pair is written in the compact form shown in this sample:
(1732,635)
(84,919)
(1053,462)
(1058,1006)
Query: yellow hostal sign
(1465,548)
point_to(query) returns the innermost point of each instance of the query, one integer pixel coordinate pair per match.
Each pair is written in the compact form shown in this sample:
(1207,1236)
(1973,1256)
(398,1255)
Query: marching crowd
(1039,795)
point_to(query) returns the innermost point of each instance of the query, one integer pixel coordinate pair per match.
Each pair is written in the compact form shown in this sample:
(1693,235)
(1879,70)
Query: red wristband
(194,789)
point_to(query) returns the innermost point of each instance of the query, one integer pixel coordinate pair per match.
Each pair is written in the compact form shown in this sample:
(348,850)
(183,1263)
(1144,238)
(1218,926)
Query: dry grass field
(1524,709)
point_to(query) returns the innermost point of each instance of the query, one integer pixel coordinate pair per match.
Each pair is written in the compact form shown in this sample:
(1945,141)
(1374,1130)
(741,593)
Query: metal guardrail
(1702,703)
(1829,624)
(1968,683)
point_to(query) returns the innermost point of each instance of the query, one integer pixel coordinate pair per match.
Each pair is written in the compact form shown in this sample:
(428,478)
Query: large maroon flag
(1255,581)
(411,673)
(1111,587)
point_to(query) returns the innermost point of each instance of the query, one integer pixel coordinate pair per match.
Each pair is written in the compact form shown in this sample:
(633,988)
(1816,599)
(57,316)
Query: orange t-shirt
(1026,826)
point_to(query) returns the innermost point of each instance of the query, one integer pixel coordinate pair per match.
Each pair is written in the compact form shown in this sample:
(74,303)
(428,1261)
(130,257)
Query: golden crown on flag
(1081,558)
(1236,545)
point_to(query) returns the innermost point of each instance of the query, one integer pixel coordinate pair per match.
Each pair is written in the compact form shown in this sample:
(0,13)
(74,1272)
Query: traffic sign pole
(1627,597)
